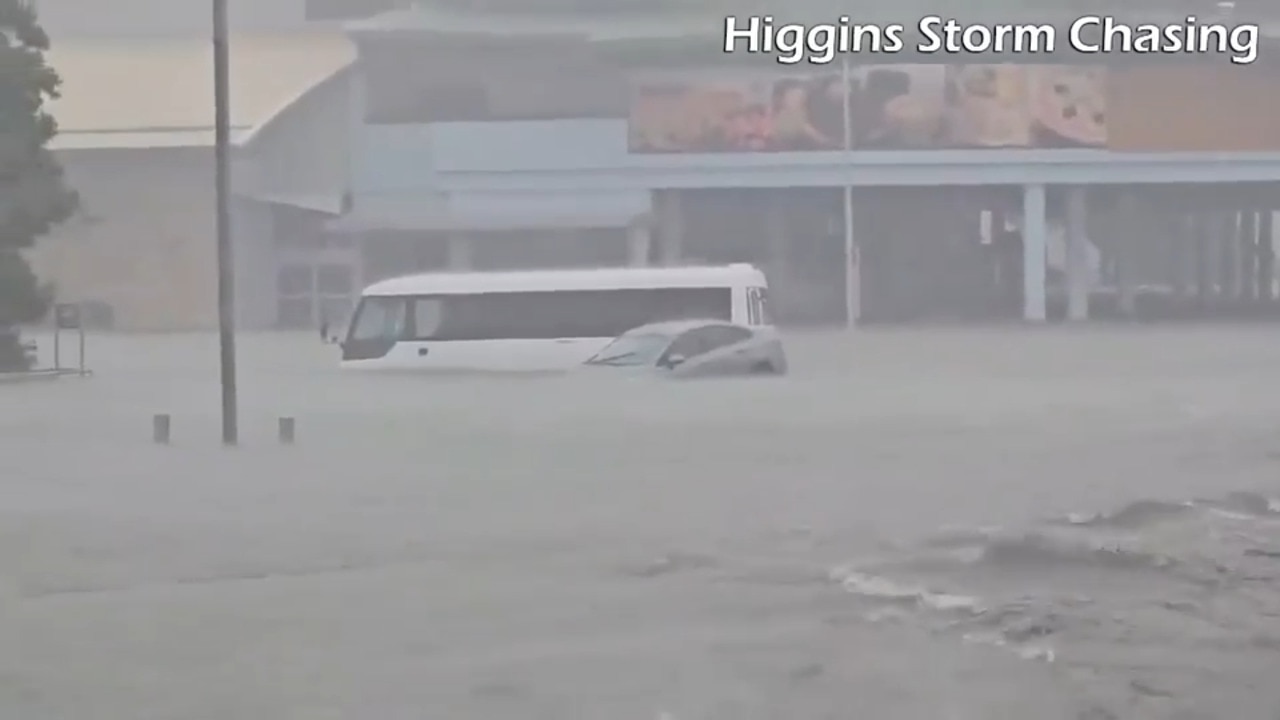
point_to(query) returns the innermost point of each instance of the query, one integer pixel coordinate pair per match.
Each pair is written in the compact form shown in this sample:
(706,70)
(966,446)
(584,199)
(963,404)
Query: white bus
(536,320)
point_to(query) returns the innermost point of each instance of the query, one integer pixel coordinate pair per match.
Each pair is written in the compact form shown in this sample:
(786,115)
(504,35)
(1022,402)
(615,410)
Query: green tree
(33,194)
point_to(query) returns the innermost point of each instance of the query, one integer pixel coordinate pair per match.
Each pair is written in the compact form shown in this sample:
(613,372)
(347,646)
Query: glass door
(309,295)
(335,295)
(295,297)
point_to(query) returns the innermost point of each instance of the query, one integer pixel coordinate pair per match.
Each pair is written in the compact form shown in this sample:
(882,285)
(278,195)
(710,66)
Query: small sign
(67,316)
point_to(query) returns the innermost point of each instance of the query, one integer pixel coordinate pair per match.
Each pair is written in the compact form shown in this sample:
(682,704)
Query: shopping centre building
(905,190)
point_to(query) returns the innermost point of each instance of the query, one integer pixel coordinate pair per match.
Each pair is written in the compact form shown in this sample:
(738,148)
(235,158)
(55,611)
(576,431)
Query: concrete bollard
(286,429)
(161,429)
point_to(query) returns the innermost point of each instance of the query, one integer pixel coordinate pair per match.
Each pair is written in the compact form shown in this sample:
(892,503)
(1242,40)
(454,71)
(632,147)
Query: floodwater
(948,523)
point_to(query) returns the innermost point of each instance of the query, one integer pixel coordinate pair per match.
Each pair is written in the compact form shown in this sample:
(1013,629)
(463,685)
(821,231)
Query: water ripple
(1148,599)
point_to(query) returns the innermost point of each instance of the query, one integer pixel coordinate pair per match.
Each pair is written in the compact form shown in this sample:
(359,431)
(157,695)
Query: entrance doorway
(926,255)
(312,294)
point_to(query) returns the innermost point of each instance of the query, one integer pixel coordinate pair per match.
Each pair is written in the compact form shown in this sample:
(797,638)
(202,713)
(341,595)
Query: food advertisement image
(875,107)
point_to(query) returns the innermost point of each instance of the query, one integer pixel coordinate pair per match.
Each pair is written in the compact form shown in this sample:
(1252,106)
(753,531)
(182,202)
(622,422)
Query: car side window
(718,336)
(689,344)
(706,339)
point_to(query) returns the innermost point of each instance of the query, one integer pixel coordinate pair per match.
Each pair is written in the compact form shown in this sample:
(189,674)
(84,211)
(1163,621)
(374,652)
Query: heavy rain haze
(1024,461)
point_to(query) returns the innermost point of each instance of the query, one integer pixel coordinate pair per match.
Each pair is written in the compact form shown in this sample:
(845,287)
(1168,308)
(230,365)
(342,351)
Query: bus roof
(467,283)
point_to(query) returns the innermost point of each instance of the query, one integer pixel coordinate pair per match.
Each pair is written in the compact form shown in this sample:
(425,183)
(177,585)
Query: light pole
(222,192)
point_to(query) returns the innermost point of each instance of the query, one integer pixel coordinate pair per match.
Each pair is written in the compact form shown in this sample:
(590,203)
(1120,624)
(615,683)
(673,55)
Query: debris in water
(1145,688)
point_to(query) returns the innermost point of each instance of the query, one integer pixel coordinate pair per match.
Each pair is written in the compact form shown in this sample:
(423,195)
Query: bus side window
(428,316)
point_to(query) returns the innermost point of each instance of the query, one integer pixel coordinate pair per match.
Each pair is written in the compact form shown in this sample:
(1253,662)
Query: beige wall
(144,241)
(134,18)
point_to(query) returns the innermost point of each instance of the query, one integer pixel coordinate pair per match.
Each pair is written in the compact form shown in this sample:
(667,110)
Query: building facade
(136,139)
(459,138)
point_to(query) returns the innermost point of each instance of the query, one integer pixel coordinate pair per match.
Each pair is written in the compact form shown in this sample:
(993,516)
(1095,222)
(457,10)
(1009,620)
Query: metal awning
(494,211)
(327,203)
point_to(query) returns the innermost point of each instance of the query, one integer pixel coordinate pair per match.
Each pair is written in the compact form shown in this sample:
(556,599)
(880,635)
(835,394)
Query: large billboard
(931,107)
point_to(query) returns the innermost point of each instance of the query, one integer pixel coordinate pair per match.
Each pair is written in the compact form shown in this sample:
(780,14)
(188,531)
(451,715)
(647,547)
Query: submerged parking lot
(572,546)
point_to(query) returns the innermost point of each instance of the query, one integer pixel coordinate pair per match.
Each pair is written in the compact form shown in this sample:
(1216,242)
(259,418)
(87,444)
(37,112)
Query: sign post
(61,319)
(68,316)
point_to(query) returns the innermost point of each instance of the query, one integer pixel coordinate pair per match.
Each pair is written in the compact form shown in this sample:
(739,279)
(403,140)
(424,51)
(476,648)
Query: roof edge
(251,134)
(145,138)
(141,139)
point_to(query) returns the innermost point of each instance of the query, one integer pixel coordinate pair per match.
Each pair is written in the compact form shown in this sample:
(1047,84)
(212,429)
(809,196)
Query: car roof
(675,327)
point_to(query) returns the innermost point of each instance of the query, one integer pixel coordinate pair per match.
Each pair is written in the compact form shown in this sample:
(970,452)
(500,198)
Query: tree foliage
(33,194)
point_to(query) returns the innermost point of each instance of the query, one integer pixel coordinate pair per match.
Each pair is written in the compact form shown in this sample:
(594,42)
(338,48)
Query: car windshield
(642,349)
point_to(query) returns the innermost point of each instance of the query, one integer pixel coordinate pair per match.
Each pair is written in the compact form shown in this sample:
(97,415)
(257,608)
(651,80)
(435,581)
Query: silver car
(697,348)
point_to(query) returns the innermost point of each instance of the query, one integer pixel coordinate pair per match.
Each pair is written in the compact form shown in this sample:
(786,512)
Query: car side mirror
(674,361)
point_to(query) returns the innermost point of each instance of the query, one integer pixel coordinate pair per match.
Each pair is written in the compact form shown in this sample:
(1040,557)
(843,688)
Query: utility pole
(222,172)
